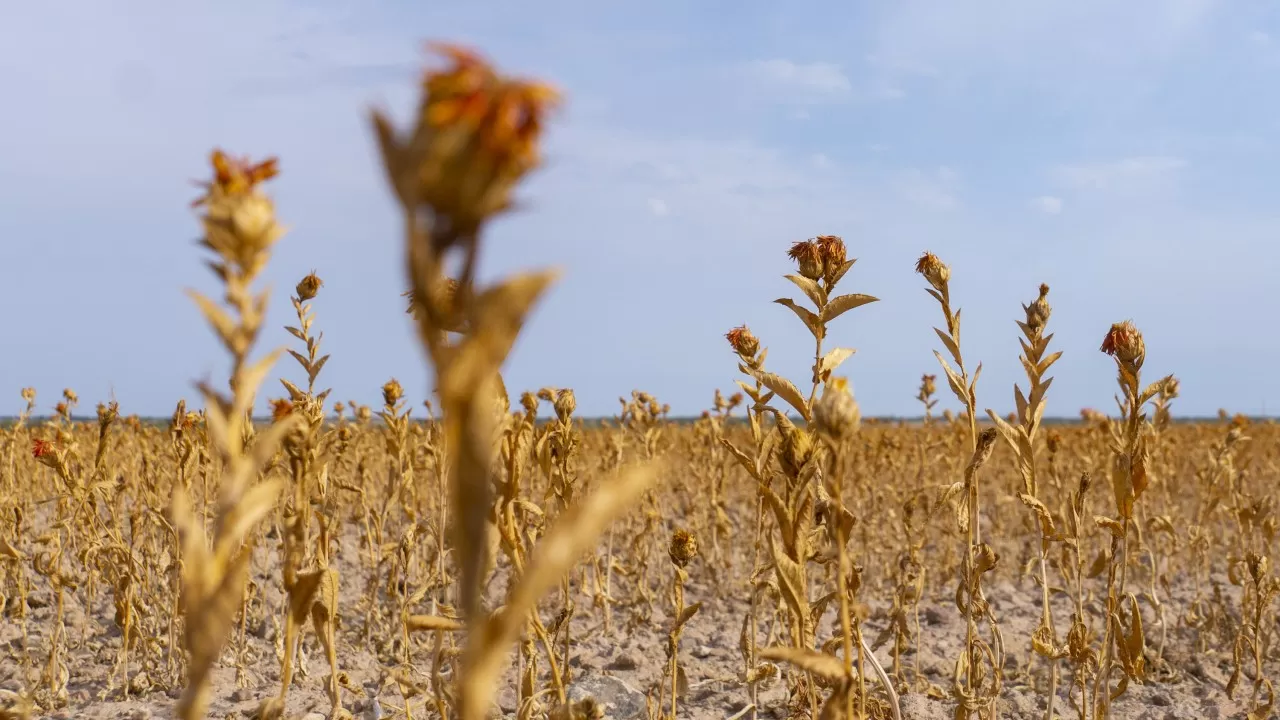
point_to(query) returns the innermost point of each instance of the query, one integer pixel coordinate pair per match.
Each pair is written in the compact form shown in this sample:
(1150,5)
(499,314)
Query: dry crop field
(779,557)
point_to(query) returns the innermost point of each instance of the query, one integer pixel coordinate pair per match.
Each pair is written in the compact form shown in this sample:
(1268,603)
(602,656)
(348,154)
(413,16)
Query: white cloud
(658,207)
(1124,174)
(814,80)
(1048,204)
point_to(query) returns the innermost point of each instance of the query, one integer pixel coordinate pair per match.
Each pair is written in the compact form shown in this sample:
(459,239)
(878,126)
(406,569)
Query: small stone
(141,714)
(243,694)
(619,700)
(625,661)
(702,652)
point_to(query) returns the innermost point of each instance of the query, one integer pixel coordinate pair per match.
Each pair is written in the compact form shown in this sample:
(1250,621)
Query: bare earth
(617,668)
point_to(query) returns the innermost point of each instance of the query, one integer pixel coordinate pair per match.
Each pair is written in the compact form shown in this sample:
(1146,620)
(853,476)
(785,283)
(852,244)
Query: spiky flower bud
(743,342)
(1259,566)
(928,385)
(1170,387)
(936,272)
(565,404)
(70,396)
(836,413)
(308,286)
(107,413)
(1124,342)
(683,548)
(280,409)
(392,392)
(529,402)
(834,256)
(29,394)
(808,257)
(41,448)
(1038,312)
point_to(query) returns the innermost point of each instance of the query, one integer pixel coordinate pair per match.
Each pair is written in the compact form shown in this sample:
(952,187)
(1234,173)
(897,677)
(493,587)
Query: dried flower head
(928,385)
(565,404)
(70,396)
(743,342)
(477,134)
(107,412)
(683,548)
(233,176)
(308,286)
(1038,311)
(29,394)
(392,392)
(1170,388)
(1124,342)
(41,448)
(808,257)
(836,413)
(936,272)
(280,409)
(529,402)
(834,256)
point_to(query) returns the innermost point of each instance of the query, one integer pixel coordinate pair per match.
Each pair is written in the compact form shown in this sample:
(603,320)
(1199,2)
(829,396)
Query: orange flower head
(41,448)
(1124,342)
(808,257)
(934,270)
(392,392)
(743,342)
(280,409)
(236,177)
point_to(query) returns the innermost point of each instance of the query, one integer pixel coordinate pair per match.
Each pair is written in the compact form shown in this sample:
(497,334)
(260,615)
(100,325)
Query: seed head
(934,270)
(565,404)
(70,396)
(236,177)
(309,286)
(808,257)
(1124,342)
(29,395)
(928,385)
(41,448)
(1170,387)
(280,409)
(743,342)
(683,548)
(1038,312)
(834,256)
(107,413)
(1259,566)
(61,409)
(392,392)
(477,135)
(529,401)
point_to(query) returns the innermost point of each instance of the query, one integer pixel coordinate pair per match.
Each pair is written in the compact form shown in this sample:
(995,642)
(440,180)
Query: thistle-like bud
(1259,566)
(29,395)
(683,548)
(1170,387)
(392,392)
(928,385)
(836,413)
(565,404)
(834,256)
(70,396)
(1038,312)
(280,409)
(936,272)
(107,413)
(808,257)
(743,342)
(308,286)
(1124,342)
(529,402)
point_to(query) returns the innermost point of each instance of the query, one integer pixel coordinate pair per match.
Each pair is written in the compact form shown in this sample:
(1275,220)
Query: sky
(1123,153)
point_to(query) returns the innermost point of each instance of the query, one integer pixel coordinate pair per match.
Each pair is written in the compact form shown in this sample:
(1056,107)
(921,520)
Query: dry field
(780,557)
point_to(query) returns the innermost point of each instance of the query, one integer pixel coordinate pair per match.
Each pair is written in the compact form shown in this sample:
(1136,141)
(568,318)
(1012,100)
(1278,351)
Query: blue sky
(1124,153)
